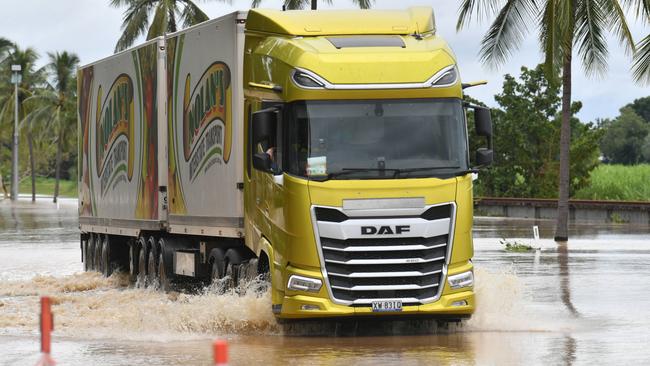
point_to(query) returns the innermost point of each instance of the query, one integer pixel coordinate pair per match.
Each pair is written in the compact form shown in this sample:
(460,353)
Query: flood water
(584,303)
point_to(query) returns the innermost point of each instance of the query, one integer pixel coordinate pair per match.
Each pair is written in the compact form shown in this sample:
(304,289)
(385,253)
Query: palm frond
(192,14)
(590,27)
(121,3)
(362,4)
(296,4)
(618,23)
(160,21)
(548,40)
(507,31)
(136,20)
(476,9)
(641,64)
(640,8)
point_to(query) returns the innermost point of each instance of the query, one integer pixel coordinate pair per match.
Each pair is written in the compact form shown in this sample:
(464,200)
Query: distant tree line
(627,137)
(46,112)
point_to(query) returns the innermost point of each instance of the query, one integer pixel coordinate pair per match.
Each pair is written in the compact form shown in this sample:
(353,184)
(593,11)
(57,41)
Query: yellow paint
(278,217)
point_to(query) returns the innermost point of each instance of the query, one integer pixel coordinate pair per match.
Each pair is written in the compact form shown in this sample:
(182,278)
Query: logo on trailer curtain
(207,125)
(115,118)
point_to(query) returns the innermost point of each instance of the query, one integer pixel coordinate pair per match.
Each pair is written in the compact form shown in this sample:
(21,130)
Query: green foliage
(618,182)
(625,138)
(515,246)
(526,140)
(641,107)
(167,14)
(45,186)
(47,113)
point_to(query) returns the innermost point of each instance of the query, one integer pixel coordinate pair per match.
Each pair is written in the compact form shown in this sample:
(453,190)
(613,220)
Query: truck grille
(360,270)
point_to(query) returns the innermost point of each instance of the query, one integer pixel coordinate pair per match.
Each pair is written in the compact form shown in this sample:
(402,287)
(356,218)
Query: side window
(276,142)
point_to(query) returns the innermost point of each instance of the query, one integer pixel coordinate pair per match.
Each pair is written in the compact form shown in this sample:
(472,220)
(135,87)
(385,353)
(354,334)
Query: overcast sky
(90,28)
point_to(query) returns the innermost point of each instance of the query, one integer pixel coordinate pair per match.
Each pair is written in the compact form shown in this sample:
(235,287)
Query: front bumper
(292,308)
(303,305)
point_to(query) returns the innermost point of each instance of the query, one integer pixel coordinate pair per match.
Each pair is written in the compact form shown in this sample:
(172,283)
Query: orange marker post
(47,326)
(220,348)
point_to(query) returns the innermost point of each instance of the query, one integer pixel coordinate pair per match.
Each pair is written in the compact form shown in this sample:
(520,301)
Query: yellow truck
(325,150)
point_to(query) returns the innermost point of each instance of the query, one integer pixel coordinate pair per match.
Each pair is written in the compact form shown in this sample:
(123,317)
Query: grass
(45,186)
(618,183)
(515,246)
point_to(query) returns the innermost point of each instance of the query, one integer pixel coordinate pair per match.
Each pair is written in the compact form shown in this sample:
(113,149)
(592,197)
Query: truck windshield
(375,139)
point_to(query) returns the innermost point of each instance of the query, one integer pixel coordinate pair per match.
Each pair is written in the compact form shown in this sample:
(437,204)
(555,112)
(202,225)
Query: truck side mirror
(264,125)
(484,156)
(483,121)
(483,124)
(262,161)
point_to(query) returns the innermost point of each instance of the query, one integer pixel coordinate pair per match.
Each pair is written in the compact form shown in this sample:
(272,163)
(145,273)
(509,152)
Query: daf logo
(385,230)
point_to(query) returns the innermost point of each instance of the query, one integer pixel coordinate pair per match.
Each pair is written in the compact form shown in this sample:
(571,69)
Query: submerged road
(584,303)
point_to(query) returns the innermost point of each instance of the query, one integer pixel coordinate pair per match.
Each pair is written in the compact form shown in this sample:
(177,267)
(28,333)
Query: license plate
(387,305)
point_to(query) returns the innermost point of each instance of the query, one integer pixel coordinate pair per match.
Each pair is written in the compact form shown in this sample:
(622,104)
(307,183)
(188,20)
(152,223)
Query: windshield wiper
(396,172)
(411,170)
(345,171)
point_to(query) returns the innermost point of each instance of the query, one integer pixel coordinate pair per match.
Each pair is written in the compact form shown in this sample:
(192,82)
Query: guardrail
(636,212)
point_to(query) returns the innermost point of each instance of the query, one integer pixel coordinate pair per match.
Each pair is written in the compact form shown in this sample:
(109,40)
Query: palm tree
(32,78)
(55,103)
(564,27)
(166,15)
(641,66)
(301,4)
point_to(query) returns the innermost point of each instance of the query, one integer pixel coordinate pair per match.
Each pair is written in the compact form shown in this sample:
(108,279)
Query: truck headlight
(300,283)
(445,77)
(465,279)
(306,80)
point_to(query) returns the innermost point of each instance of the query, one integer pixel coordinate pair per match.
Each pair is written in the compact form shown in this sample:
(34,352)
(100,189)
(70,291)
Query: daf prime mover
(325,149)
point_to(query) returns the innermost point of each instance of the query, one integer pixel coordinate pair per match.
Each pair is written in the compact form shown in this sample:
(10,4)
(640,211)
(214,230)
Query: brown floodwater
(586,302)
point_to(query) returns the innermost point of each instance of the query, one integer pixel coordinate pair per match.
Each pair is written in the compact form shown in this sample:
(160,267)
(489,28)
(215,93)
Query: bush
(618,182)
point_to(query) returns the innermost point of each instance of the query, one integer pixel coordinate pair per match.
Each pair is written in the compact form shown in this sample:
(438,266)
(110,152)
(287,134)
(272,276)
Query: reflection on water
(565,286)
(564,304)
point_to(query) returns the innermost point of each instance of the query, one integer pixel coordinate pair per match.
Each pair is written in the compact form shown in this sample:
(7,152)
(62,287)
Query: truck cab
(357,177)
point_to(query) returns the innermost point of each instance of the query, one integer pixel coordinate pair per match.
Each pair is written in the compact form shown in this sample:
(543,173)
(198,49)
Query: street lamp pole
(16,77)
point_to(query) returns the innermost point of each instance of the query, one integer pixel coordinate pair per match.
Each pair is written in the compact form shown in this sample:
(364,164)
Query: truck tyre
(217,259)
(218,268)
(99,241)
(106,256)
(84,248)
(152,258)
(142,267)
(234,258)
(165,281)
(90,254)
(133,261)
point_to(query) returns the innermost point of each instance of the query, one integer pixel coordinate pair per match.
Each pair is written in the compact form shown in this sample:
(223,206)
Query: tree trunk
(57,170)
(314,4)
(30,144)
(562,224)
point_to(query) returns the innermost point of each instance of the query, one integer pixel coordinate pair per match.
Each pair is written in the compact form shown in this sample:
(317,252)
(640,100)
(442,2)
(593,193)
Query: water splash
(86,304)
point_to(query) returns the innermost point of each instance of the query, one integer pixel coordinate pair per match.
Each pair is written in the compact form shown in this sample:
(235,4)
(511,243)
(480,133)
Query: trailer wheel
(85,253)
(234,259)
(90,254)
(133,261)
(165,281)
(152,258)
(106,256)
(98,253)
(142,267)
